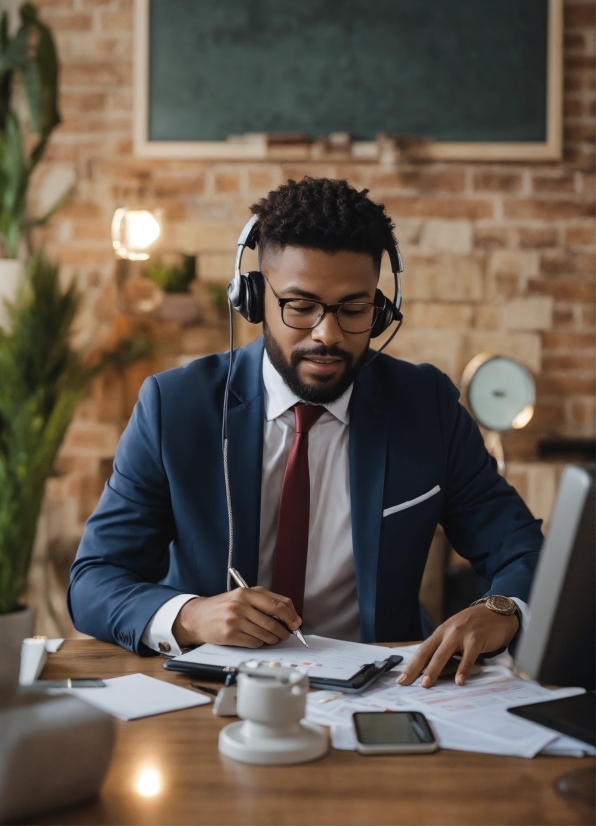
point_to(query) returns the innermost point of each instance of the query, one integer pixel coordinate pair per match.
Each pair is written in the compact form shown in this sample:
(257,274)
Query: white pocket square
(412,502)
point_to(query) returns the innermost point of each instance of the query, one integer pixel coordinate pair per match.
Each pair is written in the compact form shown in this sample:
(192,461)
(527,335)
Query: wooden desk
(199,786)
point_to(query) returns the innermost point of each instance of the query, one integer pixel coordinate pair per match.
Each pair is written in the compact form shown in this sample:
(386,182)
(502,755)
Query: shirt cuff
(524,611)
(158,632)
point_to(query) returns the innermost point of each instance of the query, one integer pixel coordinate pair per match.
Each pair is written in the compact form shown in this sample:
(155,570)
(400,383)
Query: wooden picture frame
(260,148)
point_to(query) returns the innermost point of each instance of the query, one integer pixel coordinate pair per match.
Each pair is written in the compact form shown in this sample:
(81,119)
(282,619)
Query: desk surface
(199,786)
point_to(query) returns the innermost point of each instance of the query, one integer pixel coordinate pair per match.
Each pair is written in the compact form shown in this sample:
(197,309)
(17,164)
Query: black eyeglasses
(305,314)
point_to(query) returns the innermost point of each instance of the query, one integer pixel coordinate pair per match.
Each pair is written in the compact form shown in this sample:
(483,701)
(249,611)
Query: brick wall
(498,257)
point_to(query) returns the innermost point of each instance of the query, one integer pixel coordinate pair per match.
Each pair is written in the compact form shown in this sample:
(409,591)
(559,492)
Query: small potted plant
(175,275)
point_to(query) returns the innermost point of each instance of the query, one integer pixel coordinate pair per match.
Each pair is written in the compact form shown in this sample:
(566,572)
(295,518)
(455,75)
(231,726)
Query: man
(340,471)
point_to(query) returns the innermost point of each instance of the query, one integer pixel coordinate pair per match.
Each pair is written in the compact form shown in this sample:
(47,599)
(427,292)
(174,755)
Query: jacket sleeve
(484,518)
(124,552)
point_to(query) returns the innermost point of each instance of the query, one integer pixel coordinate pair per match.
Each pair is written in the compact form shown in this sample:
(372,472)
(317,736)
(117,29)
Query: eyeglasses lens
(356,317)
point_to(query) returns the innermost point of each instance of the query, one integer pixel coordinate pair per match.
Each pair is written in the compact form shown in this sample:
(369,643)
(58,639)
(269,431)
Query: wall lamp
(135,231)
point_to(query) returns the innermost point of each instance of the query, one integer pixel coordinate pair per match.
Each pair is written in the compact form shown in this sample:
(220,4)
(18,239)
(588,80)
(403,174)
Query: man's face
(318,365)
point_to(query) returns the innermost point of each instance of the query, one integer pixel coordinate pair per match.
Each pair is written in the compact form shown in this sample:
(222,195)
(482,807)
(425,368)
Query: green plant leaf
(14,178)
(42,379)
(40,74)
(172,278)
(31,53)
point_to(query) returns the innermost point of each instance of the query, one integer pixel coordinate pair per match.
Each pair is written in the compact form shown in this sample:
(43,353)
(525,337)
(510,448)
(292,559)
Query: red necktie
(291,544)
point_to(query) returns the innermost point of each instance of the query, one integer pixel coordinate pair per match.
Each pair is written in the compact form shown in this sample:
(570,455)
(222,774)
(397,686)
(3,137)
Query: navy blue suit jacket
(160,528)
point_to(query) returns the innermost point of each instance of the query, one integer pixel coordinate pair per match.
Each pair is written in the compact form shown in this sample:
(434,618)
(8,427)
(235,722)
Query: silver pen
(240,581)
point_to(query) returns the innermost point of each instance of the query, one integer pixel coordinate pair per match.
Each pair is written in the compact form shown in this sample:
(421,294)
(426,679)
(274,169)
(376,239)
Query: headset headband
(248,238)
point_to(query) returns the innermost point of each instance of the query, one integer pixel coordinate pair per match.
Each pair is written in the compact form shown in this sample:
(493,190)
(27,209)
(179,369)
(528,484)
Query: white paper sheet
(495,687)
(324,658)
(449,736)
(492,733)
(343,737)
(138,695)
(569,747)
(472,717)
(460,738)
(52,645)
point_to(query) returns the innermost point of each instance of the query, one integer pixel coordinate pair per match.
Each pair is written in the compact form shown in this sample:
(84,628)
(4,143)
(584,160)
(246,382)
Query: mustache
(321,352)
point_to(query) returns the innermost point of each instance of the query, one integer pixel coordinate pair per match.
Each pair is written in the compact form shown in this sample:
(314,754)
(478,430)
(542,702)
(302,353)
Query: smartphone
(393,732)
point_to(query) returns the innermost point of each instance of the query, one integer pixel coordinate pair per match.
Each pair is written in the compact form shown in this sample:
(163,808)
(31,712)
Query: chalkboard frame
(259,148)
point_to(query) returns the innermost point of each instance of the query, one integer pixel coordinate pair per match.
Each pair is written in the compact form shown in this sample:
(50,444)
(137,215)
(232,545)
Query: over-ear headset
(246,291)
(246,295)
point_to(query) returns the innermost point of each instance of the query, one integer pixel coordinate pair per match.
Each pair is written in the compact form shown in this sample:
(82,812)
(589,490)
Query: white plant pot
(11,274)
(14,628)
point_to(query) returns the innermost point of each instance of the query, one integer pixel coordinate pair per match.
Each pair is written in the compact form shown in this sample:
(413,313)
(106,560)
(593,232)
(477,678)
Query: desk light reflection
(149,783)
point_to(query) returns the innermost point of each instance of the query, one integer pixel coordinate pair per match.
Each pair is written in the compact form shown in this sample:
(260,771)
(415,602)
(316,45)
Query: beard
(328,389)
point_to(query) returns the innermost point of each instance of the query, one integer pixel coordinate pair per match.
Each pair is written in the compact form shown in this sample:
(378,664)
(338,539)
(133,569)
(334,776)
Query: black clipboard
(362,679)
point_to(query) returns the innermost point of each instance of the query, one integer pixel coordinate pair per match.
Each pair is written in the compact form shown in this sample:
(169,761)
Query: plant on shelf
(30,56)
(42,379)
(173,277)
(218,297)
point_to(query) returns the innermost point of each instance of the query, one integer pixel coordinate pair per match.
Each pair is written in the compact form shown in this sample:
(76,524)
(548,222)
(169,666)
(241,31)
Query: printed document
(324,658)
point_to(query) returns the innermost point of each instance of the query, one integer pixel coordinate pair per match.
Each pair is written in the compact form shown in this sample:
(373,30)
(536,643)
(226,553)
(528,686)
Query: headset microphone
(246,295)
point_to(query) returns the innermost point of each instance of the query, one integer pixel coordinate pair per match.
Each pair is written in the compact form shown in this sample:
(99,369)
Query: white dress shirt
(330,599)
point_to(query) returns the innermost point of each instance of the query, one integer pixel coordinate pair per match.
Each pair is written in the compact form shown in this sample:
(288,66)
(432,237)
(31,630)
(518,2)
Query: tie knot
(306,416)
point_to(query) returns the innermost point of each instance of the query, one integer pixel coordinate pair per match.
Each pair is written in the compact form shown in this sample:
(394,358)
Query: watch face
(501,394)
(502,605)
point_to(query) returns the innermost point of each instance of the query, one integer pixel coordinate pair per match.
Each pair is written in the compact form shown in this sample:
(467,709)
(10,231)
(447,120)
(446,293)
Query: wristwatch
(505,606)
(500,605)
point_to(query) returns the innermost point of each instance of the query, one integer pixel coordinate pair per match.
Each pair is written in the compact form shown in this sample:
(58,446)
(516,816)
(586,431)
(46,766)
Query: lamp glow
(149,783)
(134,231)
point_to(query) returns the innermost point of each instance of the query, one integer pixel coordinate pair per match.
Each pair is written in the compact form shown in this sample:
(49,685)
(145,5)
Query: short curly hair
(323,214)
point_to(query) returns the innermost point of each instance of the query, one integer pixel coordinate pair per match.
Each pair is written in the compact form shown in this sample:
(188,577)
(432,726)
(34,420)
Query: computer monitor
(558,646)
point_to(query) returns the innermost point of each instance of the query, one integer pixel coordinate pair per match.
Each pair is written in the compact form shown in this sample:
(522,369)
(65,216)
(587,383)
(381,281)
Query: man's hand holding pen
(245,617)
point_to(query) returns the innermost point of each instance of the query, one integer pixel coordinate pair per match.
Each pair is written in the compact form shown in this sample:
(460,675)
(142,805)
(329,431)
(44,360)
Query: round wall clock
(500,392)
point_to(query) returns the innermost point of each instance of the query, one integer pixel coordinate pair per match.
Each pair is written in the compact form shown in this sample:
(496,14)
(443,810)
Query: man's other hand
(245,616)
(476,630)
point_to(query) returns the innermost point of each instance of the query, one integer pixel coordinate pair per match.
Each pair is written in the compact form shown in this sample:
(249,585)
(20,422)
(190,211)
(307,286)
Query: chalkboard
(448,70)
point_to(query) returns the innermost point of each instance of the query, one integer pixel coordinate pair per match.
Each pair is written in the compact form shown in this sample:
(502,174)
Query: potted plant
(42,379)
(28,60)
(174,275)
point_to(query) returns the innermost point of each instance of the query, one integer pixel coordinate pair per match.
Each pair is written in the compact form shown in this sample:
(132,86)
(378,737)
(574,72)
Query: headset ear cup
(236,294)
(248,298)
(385,316)
(255,296)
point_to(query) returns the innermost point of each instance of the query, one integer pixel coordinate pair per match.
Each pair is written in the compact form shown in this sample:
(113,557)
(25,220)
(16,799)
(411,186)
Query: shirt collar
(279,397)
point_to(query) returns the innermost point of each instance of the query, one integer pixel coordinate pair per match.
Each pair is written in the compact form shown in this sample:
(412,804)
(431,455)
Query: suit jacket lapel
(245,456)
(368,447)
